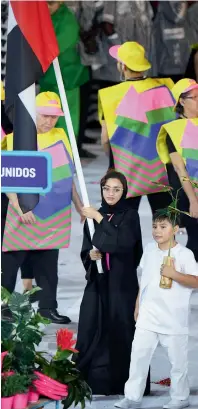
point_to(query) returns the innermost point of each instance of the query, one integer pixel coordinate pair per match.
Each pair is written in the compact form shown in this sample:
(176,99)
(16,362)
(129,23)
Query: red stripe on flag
(34,21)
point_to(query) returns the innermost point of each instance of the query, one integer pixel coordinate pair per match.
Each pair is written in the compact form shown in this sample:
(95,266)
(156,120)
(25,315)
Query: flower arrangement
(62,369)
(56,378)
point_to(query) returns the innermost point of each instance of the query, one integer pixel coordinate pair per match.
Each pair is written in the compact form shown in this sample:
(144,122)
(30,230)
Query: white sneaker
(177,404)
(127,404)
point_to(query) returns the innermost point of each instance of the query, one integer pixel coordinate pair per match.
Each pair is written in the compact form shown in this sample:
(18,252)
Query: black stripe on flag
(23,68)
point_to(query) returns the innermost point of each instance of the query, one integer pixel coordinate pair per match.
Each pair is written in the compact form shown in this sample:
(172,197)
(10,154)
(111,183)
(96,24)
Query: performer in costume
(177,145)
(131,114)
(106,323)
(37,236)
(6,128)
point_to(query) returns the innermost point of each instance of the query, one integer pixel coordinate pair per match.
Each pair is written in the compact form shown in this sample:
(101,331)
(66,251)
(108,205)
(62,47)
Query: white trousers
(143,347)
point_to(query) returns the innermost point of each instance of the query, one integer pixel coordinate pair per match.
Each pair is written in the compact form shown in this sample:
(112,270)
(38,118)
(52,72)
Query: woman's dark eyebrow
(114,187)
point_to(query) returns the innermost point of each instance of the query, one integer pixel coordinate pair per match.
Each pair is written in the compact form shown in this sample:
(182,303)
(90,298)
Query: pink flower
(64,339)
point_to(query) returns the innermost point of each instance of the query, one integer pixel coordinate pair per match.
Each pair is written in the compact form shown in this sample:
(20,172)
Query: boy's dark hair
(162,215)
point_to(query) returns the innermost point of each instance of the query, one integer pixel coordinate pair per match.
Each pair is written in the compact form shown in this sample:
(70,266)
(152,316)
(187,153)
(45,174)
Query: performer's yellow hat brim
(132,55)
(48,103)
(181,87)
(2,92)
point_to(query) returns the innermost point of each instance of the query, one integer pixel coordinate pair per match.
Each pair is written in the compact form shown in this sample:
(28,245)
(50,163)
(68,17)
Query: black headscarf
(122,205)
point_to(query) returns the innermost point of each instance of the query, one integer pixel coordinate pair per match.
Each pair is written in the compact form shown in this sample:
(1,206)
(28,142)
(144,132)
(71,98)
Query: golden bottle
(166,282)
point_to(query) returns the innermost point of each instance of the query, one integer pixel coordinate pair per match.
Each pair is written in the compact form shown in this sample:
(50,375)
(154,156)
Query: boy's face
(163,231)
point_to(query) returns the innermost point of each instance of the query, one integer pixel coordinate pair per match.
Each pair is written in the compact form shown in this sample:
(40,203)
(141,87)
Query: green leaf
(77,395)
(70,398)
(30,336)
(69,378)
(38,319)
(24,356)
(33,291)
(7,363)
(17,383)
(5,295)
(6,329)
(62,355)
(50,371)
(82,403)
(19,304)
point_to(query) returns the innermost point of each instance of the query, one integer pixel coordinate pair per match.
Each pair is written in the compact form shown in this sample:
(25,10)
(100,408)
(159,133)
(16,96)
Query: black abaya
(106,324)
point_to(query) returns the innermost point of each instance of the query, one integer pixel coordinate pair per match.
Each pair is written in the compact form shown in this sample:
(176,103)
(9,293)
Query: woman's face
(112,191)
(190,104)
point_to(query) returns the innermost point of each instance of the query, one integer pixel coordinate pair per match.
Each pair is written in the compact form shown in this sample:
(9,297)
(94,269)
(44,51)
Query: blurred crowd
(166,29)
(85,31)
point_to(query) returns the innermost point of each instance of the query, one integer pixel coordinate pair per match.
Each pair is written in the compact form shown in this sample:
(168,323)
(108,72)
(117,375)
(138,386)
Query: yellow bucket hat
(48,103)
(132,55)
(2,92)
(182,86)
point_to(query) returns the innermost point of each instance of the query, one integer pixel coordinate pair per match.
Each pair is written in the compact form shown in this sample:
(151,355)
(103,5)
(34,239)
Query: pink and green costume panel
(134,112)
(53,212)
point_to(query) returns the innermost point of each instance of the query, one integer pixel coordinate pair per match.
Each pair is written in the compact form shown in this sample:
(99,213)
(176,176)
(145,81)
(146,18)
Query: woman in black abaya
(106,323)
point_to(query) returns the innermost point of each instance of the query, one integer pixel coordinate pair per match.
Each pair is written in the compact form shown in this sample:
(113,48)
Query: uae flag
(31,48)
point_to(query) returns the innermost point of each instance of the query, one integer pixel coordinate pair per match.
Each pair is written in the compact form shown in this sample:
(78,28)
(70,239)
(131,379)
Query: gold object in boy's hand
(166,282)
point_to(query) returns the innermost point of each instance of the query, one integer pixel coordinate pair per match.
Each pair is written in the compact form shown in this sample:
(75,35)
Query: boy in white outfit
(162,315)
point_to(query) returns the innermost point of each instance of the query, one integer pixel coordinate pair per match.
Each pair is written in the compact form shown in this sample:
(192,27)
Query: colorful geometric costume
(184,135)
(53,212)
(134,112)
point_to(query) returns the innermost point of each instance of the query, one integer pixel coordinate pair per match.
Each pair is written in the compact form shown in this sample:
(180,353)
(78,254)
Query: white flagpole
(72,139)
